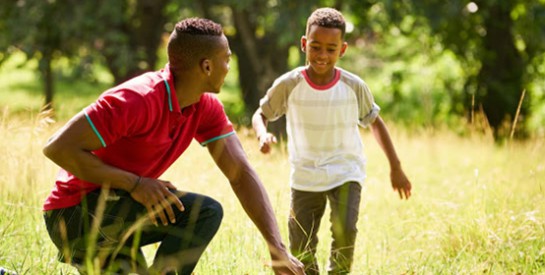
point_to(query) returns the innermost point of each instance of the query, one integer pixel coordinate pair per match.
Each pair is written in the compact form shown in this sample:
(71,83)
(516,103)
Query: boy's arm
(232,161)
(259,123)
(400,182)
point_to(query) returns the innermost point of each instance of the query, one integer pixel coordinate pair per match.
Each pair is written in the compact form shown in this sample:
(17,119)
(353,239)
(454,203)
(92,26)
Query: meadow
(477,207)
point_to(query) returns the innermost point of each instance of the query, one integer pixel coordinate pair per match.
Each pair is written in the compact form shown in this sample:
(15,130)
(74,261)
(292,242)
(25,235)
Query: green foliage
(231,97)
(490,59)
(417,87)
(423,59)
(21,93)
(498,41)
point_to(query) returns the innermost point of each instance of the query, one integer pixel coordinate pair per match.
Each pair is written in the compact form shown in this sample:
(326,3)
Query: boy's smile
(323,47)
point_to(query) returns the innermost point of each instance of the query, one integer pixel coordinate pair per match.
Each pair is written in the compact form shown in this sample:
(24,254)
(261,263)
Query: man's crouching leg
(184,241)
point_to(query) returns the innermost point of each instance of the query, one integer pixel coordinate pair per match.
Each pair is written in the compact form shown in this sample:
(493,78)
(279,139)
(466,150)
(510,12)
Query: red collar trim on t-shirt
(326,86)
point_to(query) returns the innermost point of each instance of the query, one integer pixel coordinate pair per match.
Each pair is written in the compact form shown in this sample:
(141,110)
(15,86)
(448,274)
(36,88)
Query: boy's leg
(307,209)
(344,203)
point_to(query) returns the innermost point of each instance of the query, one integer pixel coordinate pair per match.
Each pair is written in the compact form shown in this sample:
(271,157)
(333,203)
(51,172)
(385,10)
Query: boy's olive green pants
(307,210)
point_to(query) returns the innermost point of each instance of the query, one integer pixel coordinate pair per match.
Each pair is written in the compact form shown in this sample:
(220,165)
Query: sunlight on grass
(476,207)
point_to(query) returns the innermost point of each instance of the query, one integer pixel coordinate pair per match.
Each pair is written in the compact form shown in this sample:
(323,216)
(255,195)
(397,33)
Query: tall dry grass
(477,207)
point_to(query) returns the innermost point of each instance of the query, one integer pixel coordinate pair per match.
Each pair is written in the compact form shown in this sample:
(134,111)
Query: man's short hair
(191,41)
(327,18)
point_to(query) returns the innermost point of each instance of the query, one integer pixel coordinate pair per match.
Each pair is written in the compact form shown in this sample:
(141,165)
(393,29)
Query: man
(114,151)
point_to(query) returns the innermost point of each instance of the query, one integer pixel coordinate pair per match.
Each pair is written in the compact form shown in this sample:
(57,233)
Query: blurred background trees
(429,63)
(500,41)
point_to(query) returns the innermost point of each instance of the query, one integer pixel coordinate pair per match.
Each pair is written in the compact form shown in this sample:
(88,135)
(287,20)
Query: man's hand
(400,183)
(265,142)
(285,264)
(156,196)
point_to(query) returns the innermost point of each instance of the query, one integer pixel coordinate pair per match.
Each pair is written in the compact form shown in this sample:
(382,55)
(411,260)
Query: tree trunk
(260,62)
(500,77)
(148,34)
(47,78)
(144,31)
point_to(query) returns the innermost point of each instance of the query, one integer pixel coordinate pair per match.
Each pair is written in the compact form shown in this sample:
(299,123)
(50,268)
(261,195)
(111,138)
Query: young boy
(324,105)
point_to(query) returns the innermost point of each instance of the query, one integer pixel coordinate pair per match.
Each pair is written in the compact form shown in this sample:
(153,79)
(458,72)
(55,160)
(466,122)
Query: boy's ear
(343,48)
(206,66)
(304,44)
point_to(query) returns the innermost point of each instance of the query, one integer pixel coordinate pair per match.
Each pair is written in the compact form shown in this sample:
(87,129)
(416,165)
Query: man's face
(220,62)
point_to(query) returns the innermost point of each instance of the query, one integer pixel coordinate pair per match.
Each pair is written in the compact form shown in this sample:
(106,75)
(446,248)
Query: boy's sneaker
(4,271)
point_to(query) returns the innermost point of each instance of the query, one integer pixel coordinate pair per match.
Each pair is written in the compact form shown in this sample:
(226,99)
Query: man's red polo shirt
(143,130)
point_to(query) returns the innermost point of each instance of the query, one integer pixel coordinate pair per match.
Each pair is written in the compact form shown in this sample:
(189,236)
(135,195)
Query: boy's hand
(400,183)
(265,141)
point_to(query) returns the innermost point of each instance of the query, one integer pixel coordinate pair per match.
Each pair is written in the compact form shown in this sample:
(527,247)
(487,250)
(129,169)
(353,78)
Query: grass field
(476,207)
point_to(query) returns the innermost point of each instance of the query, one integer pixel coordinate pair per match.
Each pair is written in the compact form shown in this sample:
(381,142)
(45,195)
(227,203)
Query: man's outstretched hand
(287,265)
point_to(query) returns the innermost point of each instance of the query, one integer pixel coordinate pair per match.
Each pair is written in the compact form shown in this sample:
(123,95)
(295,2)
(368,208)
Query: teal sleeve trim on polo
(169,96)
(218,137)
(95,130)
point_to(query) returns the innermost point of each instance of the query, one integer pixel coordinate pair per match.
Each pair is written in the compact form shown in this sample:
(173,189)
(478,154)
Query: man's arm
(400,182)
(232,161)
(71,148)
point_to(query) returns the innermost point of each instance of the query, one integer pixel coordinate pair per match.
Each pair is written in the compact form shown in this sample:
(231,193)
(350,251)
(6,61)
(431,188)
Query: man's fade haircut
(191,41)
(327,18)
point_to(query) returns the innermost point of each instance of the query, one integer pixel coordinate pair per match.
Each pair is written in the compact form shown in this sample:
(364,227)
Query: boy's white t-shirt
(324,144)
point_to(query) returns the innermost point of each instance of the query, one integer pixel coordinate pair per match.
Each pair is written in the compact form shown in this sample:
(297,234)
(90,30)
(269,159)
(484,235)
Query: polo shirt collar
(173,104)
(168,81)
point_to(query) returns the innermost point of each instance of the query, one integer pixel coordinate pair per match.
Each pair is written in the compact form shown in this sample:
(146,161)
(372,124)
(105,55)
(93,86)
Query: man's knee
(200,207)
(214,210)
(204,211)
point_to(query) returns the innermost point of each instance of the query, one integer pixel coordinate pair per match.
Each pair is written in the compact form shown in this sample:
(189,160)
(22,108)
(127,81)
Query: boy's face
(323,47)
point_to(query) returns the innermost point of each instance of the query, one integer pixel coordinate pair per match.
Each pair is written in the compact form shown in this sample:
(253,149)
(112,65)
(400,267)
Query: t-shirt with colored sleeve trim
(324,143)
(140,134)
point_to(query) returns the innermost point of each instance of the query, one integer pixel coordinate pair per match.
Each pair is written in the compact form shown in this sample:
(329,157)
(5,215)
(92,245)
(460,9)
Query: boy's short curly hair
(191,41)
(327,18)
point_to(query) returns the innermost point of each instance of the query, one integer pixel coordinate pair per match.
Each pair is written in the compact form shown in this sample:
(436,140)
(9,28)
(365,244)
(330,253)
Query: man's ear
(304,44)
(343,49)
(206,66)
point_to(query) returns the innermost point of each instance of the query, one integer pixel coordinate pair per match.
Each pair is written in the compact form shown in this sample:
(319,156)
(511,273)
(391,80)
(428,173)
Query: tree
(487,35)
(261,33)
(255,32)
(42,30)
(126,34)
